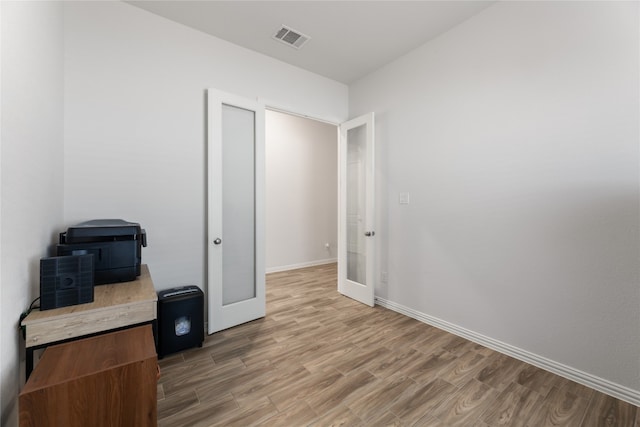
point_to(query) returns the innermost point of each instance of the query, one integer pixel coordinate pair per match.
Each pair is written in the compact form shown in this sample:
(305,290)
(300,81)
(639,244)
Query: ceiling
(349,39)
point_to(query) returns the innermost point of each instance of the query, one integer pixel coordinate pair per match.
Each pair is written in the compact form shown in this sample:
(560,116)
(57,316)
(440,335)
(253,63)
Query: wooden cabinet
(106,380)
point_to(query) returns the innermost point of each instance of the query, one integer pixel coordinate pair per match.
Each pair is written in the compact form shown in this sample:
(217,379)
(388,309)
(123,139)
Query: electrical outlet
(384,277)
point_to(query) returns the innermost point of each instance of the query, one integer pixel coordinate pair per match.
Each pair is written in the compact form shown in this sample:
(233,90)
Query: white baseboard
(612,389)
(301,265)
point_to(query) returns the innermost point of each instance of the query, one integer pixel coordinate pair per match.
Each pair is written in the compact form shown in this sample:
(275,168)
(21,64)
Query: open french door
(356,234)
(236,269)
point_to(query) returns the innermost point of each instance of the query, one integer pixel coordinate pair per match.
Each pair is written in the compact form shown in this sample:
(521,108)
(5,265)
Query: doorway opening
(301,192)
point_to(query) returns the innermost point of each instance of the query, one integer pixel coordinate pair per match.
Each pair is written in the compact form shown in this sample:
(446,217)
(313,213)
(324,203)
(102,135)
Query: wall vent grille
(291,37)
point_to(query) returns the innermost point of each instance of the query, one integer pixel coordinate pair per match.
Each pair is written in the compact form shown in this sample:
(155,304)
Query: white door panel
(236,276)
(356,233)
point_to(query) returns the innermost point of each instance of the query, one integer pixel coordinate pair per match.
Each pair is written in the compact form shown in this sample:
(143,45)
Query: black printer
(116,246)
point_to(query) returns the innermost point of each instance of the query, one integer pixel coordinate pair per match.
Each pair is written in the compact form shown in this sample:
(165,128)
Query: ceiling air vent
(291,37)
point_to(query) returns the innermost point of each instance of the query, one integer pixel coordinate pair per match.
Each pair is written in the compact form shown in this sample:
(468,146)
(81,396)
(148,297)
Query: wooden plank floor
(321,359)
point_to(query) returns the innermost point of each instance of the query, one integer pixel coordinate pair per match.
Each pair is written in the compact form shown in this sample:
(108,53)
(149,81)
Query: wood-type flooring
(321,359)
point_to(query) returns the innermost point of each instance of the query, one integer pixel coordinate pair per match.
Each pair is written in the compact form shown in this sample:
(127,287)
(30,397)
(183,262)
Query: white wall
(32,171)
(135,123)
(301,191)
(517,136)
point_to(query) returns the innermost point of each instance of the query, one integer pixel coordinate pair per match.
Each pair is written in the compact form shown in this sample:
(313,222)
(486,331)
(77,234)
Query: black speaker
(66,280)
(180,319)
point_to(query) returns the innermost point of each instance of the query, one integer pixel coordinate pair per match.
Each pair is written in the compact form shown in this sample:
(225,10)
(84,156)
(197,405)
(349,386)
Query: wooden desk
(106,380)
(114,306)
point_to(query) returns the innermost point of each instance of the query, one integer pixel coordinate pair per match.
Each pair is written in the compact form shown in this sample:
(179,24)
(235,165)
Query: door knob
(369,233)
(217,241)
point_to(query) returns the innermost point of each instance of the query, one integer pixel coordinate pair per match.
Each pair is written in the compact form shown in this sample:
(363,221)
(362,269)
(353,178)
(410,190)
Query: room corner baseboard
(610,388)
(301,265)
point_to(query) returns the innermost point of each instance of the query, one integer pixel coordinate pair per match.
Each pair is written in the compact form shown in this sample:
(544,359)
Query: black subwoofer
(180,319)
(66,280)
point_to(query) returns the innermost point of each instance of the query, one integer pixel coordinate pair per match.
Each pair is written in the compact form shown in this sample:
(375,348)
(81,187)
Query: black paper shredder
(180,319)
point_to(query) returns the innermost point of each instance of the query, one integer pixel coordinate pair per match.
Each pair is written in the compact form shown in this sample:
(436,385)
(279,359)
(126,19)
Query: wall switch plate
(404,198)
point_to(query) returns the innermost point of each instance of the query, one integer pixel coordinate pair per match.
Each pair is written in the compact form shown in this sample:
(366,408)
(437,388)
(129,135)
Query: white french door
(356,234)
(236,270)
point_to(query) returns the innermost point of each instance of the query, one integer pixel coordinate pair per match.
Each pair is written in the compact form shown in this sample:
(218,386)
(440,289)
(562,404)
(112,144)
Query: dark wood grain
(514,407)
(605,411)
(105,380)
(561,407)
(321,359)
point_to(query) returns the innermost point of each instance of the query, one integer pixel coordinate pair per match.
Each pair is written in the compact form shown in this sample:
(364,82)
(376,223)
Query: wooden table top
(105,298)
(115,305)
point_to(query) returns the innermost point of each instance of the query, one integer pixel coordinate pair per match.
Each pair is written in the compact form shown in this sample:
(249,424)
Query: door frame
(368,119)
